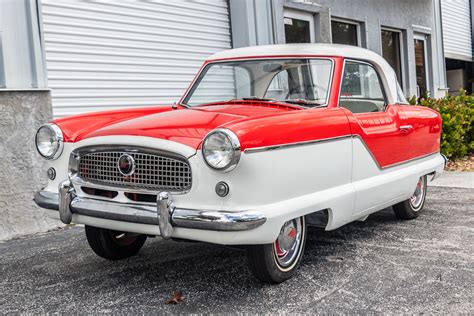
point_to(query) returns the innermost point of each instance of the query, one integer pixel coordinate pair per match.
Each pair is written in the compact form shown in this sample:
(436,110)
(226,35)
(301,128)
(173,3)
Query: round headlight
(49,141)
(221,149)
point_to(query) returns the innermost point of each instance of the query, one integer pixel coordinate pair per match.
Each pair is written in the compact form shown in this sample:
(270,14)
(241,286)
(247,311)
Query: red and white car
(265,141)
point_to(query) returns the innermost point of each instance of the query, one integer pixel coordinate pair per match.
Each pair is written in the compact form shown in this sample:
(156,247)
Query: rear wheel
(277,262)
(112,244)
(412,207)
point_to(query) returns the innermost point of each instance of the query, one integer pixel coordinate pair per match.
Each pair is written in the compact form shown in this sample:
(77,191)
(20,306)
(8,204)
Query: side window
(362,90)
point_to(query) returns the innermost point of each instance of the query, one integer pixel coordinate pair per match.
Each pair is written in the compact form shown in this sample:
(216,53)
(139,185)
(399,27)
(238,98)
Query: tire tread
(101,243)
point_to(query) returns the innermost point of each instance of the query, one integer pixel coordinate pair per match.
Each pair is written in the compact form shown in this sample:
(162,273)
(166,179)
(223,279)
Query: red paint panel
(426,134)
(293,127)
(389,144)
(75,126)
(381,133)
(188,126)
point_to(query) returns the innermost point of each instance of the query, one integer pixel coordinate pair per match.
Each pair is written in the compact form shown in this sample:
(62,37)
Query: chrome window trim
(74,159)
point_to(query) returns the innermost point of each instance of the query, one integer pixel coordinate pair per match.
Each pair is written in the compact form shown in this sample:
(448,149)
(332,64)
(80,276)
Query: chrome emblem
(126,165)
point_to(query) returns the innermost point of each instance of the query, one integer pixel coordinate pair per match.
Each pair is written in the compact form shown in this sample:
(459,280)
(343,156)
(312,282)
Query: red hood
(185,126)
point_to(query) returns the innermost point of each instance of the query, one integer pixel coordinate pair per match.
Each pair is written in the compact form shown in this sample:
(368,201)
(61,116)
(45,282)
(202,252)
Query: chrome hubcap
(416,199)
(287,245)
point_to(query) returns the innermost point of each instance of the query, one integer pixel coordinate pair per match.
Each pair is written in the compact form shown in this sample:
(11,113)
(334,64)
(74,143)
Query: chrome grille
(156,172)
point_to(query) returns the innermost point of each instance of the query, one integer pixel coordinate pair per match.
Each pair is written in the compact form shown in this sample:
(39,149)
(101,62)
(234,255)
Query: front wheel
(277,262)
(114,245)
(411,208)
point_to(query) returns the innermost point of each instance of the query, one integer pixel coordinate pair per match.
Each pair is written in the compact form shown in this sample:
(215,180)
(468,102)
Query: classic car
(265,141)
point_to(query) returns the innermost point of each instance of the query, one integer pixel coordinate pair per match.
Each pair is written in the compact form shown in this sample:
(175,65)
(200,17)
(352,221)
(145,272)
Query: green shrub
(457,112)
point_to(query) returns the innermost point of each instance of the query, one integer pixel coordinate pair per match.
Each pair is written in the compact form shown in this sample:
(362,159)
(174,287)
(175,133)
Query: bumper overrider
(164,213)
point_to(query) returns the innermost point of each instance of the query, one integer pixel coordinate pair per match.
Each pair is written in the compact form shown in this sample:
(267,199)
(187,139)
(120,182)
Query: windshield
(301,81)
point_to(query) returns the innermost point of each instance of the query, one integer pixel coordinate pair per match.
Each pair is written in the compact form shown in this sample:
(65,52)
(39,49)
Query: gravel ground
(380,265)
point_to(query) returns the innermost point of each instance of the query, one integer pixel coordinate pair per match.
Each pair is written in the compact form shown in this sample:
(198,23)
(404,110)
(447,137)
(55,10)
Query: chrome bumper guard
(164,214)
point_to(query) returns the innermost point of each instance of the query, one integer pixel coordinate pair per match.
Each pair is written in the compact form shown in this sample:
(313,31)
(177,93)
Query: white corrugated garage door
(457,29)
(105,55)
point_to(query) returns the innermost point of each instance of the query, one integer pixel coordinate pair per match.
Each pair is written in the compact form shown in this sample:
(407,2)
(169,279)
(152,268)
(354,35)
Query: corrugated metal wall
(104,55)
(457,29)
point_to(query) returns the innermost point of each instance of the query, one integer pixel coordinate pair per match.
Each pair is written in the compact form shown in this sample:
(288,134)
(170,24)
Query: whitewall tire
(411,208)
(277,262)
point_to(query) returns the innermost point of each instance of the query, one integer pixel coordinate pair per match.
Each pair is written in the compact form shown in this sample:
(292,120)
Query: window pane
(420,67)
(308,81)
(344,33)
(297,31)
(391,51)
(361,89)
(222,82)
(279,79)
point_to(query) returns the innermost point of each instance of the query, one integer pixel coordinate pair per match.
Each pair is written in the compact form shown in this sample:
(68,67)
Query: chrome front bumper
(164,213)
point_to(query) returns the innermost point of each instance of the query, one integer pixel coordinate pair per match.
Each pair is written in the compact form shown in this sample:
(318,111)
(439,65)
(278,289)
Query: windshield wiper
(259,99)
(241,99)
(304,102)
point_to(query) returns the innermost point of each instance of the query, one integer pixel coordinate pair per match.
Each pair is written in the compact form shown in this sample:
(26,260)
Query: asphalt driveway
(380,265)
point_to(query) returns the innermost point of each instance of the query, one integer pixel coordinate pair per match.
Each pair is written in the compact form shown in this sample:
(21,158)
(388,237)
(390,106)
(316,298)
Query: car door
(381,133)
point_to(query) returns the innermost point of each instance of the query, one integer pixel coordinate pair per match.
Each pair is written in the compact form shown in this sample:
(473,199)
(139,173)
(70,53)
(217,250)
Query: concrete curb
(455,179)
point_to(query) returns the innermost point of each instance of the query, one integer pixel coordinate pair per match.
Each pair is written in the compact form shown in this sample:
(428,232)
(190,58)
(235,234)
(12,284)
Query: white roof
(388,75)
(346,51)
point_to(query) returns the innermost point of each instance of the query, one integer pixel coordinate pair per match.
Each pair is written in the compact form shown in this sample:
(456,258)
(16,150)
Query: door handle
(406,128)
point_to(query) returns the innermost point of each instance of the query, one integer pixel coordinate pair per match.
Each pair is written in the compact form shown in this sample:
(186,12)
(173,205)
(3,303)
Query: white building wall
(105,55)
(21,60)
(457,29)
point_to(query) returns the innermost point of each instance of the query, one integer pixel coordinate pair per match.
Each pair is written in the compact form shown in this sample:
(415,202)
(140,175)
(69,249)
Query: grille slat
(154,172)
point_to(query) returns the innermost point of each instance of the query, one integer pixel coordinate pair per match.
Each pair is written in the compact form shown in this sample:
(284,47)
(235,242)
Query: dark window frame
(401,52)
(348,22)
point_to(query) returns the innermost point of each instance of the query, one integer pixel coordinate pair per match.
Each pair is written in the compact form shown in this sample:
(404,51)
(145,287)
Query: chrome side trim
(394,164)
(284,146)
(411,160)
(368,150)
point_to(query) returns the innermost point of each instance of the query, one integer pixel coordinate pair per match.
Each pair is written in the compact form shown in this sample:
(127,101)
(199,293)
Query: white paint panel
(457,29)
(282,190)
(108,55)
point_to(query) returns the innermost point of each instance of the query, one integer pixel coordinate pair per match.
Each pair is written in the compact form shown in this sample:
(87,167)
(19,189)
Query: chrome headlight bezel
(232,140)
(57,134)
